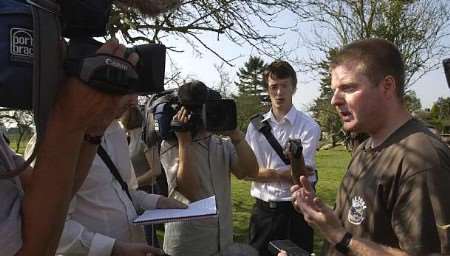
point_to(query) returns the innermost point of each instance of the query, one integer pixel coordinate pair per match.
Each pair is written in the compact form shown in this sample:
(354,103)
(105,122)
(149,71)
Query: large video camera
(83,20)
(206,110)
(34,62)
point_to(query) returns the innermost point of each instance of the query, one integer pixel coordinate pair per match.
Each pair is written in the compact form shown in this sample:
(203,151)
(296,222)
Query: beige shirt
(202,237)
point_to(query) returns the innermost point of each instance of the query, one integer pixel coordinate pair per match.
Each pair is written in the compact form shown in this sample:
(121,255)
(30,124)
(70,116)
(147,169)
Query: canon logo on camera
(21,45)
(111,62)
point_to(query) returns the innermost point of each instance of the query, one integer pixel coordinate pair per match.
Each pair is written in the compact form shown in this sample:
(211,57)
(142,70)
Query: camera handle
(104,72)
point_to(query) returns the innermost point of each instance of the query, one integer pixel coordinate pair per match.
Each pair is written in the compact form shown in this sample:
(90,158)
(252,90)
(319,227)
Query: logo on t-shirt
(357,212)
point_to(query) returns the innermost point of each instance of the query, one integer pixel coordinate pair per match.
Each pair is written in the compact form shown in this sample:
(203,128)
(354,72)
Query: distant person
(273,216)
(145,161)
(394,198)
(198,165)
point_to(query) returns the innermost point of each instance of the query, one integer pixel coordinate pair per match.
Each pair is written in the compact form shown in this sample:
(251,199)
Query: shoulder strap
(264,128)
(47,60)
(107,160)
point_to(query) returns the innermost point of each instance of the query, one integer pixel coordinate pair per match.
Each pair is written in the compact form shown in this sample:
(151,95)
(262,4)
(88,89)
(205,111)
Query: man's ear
(389,87)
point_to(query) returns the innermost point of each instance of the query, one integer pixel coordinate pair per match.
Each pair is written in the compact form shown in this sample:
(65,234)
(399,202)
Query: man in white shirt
(99,220)
(273,216)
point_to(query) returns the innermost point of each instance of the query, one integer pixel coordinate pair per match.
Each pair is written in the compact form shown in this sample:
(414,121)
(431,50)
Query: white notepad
(205,208)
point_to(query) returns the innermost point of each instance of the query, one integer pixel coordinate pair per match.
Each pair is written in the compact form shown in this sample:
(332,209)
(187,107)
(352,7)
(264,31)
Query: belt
(273,204)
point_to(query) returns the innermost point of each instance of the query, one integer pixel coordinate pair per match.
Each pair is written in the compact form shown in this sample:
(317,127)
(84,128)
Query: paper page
(199,208)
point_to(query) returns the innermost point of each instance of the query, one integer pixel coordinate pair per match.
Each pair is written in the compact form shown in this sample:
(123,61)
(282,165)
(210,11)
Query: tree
(250,78)
(411,102)
(420,28)
(232,19)
(440,114)
(321,109)
(252,96)
(22,119)
(223,85)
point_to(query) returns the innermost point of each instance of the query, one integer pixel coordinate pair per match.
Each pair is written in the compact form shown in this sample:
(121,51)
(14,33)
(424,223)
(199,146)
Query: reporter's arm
(76,239)
(187,181)
(52,185)
(246,164)
(147,201)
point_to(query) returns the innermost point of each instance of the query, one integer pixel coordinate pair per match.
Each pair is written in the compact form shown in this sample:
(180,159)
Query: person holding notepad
(199,166)
(99,220)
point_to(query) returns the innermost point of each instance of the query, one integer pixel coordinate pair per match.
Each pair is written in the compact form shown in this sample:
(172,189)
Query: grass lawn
(331,165)
(23,143)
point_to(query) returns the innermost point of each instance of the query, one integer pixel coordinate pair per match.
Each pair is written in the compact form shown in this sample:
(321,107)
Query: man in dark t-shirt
(395,197)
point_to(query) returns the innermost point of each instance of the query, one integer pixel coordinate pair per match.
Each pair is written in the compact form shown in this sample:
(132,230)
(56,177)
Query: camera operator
(34,205)
(198,165)
(394,198)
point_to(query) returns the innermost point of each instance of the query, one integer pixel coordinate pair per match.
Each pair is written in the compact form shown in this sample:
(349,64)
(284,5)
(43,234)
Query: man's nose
(279,91)
(337,98)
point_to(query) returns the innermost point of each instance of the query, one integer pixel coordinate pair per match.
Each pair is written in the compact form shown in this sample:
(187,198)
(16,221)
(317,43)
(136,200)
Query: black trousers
(278,221)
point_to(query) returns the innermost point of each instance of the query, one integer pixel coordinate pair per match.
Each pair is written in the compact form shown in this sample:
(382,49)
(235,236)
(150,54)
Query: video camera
(83,20)
(206,109)
(33,61)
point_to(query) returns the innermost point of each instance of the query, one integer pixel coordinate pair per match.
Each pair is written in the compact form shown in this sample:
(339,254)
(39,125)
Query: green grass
(331,165)
(23,143)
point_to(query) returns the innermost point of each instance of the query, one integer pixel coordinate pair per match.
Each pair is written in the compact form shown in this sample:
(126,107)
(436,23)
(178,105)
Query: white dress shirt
(101,211)
(294,125)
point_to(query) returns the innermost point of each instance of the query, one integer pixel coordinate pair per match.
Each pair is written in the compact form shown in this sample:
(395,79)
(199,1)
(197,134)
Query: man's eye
(349,89)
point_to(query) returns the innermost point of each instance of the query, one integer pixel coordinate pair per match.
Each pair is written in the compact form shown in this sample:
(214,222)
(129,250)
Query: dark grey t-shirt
(11,195)
(397,194)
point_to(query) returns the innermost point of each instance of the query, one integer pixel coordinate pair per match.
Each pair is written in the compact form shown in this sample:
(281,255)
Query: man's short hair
(377,58)
(279,69)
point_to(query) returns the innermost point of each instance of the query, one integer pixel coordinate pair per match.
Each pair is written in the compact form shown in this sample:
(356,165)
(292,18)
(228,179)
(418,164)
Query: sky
(201,66)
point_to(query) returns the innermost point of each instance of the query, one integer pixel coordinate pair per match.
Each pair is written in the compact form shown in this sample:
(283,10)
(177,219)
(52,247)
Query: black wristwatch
(342,246)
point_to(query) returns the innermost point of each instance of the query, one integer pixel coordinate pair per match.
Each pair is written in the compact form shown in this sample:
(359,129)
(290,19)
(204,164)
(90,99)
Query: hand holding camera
(294,150)
(97,109)
(180,124)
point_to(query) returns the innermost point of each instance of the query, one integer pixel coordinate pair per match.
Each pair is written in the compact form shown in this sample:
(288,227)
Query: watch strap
(343,245)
